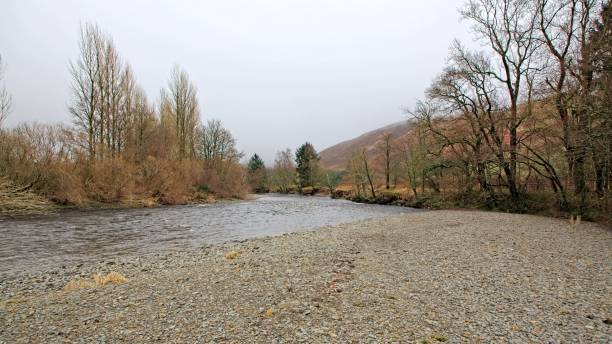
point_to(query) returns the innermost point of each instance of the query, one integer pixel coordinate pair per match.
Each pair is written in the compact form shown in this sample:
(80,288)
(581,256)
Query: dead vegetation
(16,200)
(98,280)
(122,149)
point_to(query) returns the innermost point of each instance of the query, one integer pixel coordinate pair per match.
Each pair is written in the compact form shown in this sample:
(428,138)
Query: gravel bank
(453,276)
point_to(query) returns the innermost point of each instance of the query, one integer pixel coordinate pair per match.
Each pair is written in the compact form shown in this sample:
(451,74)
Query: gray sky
(276,73)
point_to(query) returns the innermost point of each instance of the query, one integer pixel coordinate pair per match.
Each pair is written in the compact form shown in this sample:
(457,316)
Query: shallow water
(73,237)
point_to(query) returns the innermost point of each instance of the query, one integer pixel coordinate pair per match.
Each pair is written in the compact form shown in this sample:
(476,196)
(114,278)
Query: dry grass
(232,255)
(98,281)
(111,278)
(79,284)
(16,200)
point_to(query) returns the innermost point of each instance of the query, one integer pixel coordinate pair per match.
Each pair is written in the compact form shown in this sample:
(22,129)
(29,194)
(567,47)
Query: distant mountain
(337,156)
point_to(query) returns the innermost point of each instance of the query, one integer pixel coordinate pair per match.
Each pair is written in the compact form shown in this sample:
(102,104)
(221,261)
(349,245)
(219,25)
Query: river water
(73,237)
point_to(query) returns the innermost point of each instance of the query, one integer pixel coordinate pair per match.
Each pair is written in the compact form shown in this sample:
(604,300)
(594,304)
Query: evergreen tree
(257,174)
(306,159)
(255,163)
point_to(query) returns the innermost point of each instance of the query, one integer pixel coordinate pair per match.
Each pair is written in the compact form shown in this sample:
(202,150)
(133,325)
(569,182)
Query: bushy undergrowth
(48,162)
(530,203)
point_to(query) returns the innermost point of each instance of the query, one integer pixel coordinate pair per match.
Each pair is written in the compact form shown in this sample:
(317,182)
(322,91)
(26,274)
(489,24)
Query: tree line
(299,173)
(527,115)
(122,147)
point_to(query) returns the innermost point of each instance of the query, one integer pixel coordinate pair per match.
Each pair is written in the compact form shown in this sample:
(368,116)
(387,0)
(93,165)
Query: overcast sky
(276,73)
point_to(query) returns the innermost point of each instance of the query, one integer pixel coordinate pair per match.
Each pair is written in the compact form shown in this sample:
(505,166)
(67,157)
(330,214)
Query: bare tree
(600,46)
(5,97)
(355,174)
(509,28)
(182,103)
(283,173)
(110,92)
(361,171)
(466,92)
(413,156)
(103,92)
(563,27)
(126,109)
(385,146)
(142,124)
(85,93)
(216,144)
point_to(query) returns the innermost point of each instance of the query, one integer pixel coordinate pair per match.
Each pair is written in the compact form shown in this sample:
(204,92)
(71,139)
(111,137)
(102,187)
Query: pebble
(465,276)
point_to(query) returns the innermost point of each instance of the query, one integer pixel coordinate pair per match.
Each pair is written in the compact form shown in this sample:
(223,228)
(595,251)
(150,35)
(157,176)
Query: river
(73,237)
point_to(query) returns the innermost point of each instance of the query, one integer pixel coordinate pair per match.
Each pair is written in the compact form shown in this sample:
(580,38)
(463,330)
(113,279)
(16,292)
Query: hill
(337,156)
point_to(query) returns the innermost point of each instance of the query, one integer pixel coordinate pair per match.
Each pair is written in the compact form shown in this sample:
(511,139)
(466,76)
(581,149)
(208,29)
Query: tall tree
(216,144)
(385,147)
(508,27)
(283,175)
(307,162)
(102,93)
(142,124)
(601,46)
(257,173)
(564,27)
(5,97)
(85,72)
(182,105)
(360,171)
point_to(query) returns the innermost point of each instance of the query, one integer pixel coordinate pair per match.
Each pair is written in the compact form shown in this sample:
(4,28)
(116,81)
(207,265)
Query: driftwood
(19,200)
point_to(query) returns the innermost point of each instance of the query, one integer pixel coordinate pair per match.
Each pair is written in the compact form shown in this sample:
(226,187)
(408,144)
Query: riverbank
(543,204)
(454,276)
(33,205)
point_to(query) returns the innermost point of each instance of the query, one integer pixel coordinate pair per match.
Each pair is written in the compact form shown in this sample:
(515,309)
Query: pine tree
(306,159)
(255,163)
(257,174)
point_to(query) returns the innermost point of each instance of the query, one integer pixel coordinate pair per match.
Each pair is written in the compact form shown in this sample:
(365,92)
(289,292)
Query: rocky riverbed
(440,276)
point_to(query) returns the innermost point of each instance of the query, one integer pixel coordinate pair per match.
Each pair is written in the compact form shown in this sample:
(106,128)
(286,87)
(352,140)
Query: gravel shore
(439,276)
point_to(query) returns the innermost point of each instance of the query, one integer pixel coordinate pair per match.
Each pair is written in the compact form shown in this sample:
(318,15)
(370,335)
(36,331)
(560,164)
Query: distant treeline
(293,174)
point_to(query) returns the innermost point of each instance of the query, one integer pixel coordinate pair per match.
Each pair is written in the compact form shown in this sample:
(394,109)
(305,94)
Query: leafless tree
(142,123)
(182,103)
(600,46)
(361,171)
(85,93)
(110,86)
(466,92)
(563,27)
(413,153)
(508,27)
(216,144)
(283,173)
(5,97)
(103,91)
(385,146)
(126,109)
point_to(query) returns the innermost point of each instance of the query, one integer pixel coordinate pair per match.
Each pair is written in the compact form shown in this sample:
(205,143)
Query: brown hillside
(336,157)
